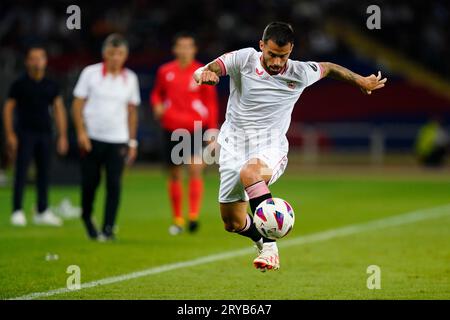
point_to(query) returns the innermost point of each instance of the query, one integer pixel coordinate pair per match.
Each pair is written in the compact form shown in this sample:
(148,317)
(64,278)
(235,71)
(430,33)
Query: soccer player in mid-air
(264,87)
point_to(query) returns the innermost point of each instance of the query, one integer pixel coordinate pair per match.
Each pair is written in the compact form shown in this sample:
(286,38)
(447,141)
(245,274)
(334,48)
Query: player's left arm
(133,121)
(61,124)
(366,84)
(132,132)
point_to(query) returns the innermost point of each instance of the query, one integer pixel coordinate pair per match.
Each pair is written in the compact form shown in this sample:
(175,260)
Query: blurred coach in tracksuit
(104,109)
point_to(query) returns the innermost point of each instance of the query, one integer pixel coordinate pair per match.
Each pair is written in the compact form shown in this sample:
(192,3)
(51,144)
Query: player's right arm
(157,96)
(80,96)
(77,114)
(230,63)
(8,123)
(208,74)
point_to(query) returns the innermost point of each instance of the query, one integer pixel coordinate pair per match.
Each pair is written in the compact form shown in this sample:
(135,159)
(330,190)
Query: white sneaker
(67,211)
(268,257)
(47,218)
(18,219)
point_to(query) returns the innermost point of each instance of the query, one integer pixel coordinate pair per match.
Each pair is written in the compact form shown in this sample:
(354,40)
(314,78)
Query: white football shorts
(231,161)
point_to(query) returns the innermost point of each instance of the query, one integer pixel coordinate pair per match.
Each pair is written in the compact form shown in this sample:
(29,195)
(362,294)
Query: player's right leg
(91,163)
(174,183)
(23,158)
(255,176)
(195,191)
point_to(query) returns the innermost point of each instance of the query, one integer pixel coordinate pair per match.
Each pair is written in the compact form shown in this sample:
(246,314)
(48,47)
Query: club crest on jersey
(170,76)
(291,84)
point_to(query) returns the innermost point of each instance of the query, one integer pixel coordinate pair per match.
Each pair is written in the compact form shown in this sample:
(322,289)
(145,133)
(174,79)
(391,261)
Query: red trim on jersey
(223,69)
(262,64)
(123,72)
(284,68)
(321,70)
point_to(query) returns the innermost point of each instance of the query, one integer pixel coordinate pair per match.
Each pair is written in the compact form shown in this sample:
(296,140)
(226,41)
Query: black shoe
(90,229)
(107,234)
(193,226)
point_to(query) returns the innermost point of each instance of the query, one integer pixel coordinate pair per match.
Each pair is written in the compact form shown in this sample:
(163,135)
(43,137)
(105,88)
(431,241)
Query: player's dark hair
(281,33)
(184,34)
(115,40)
(35,47)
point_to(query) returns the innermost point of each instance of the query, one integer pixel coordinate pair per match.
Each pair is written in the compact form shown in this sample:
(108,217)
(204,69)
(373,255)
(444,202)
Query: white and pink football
(274,218)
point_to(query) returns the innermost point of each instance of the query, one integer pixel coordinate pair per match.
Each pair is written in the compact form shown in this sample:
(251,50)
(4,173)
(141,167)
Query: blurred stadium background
(352,156)
(409,48)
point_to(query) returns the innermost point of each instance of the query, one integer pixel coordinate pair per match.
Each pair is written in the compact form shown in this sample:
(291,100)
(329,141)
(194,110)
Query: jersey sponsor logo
(313,66)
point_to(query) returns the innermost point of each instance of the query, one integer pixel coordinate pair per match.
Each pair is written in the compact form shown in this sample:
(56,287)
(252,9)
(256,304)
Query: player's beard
(272,71)
(275,70)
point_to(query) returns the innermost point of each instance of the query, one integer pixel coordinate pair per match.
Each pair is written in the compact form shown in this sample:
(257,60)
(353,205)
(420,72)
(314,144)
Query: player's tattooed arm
(208,74)
(366,84)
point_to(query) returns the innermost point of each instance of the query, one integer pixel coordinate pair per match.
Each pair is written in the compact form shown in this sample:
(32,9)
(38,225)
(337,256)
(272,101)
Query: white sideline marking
(410,217)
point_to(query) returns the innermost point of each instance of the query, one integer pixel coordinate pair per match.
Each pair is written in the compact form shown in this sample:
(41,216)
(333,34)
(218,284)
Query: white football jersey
(107,97)
(259,102)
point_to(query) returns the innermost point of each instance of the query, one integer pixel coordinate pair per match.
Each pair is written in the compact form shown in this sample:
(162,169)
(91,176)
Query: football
(274,218)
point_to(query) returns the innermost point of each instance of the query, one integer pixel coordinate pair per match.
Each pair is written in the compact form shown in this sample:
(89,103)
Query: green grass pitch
(414,258)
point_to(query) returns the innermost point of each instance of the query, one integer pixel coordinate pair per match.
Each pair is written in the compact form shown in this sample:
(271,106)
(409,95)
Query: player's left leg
(175,190)
(42,153)
(195,191)
(255,176)
(237,220)
(114,166)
